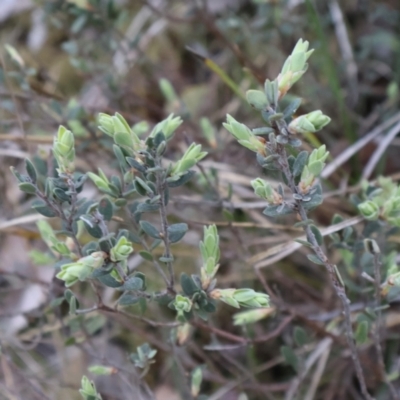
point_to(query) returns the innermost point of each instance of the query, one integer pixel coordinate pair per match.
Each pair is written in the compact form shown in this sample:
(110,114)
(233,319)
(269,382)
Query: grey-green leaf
(136,164)
(188,286)
(31,170)
(300,336)
(303,242)
(290,357)
(106,208)
(317,234)
(316,260)
(61,194)
(128,299)
(27,187)
(176,232)
(42,208)
(150,229)
(300,162)
(133,283)
(316,198)
(292,108)
(181,181)
(109,281)
(257,99)
(120,157)
(146,255)
(361,334)
(275,211)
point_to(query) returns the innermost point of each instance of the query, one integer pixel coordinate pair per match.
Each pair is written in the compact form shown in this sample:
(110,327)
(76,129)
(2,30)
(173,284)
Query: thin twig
(383,145)
(378,324)
(161,187)
(319,350)
(345,48)
(350,151)
(72,212)
(283,164)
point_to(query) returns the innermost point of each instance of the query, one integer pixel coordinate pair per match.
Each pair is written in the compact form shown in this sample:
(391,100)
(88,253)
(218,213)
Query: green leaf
(72,305)
(142,187)
(172,182)
(133,283)
(290,357)
(291,108)
(99,272)
(106,208)
(176,232)
(337,219)
(166,259)
(124,140)
(146,207)
(317,234)
(188,286)
(102,370)
(300,162)
(56,302)
(361,334)
(300,336)
(109,281)
(316,167)
(271,91)
(128,299)
(94,231)
(316,198)
(209,307)
(136,164)
(158,139)
(142,305)
(275,211)
(68,294)
(60,194)
(120,157)
(303,242)
(42,208)
(303,223)
(155,244)
(265,130)
(316,260)
(20,178)
(227,215)
(150,229)
(30,169)
(27,187)
(257,99)
(146,255)
(121,202)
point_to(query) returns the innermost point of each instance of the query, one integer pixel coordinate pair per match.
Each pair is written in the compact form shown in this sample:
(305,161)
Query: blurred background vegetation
(63,62)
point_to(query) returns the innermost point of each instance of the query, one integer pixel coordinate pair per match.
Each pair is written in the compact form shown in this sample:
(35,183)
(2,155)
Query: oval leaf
(30,169)
(128,299)
(188,286)
(317,234)
(106,208)
(42,208)
(150,229)
(300,162)
(176,232)
(257,99)
(27,187)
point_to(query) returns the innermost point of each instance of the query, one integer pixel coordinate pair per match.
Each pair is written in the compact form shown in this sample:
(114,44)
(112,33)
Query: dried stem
(378,324)
(161,187)
(331,269)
